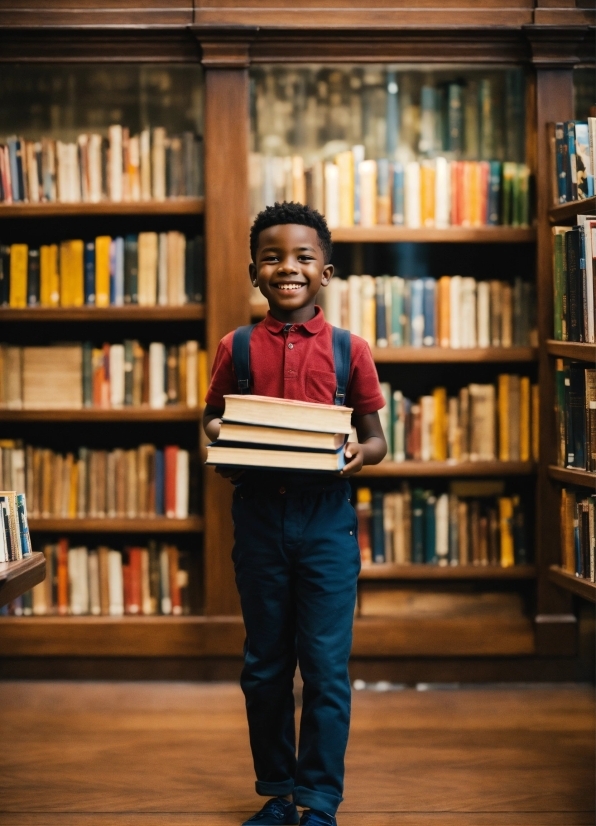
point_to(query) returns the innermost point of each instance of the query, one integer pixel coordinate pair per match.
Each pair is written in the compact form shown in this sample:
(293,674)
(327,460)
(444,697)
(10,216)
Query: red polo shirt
(297,364)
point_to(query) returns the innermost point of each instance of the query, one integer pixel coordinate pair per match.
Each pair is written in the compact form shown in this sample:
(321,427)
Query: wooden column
(227,257)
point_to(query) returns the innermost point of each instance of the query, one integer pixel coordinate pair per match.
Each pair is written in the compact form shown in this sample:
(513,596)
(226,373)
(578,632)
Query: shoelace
(273,807)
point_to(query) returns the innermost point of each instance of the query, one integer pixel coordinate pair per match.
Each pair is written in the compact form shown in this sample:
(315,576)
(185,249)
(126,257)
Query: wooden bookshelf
(448,355)
(572,350)
(575,584)
(170,206)
(385,570)
(186,312)
(156,524)
(174,413)
(411,468)
(573,476)
(567,213)
(18,577)
(454,235)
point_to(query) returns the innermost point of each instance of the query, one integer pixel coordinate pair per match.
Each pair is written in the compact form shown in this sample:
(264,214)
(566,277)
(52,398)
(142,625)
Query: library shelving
(574,584)
(566,213)
(18,577)
(464,469)
(571,350)
(108,525)
(173,413)
(573,476)
(420,572)
(523,38)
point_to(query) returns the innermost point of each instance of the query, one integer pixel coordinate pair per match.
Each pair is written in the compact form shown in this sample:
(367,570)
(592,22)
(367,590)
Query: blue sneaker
(276,812)
(311,817)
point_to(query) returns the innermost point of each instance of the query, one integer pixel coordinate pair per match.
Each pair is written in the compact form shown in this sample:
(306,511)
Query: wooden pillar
(227,257)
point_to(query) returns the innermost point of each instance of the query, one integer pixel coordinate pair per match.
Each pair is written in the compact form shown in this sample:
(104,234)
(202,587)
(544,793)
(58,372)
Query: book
(236,456)
(267,411)
(262,435)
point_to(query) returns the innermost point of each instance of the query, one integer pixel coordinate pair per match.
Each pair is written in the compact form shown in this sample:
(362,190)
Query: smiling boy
(296,555)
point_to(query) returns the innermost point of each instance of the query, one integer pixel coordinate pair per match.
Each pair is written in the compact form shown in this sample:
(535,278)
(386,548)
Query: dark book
(172,374)
(381,311)
(198,280)
(4,275)
(590,383)
(407,312)
(429,304)
(576,439)
(562,162)
(571,180)
(131,269)
(87,374)
(397,198)
(189,264)
(493,209)
(377,528)
(159,483)
(430,529)
(574,285)
(584,533)
(128,371)
(520,540)
(455,118)
(560,412)
(14,174)
(418,503)
(33,285)
(89,276)
(494,552)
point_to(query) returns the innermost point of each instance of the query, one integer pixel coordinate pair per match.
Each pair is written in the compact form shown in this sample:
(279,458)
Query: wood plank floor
(173,754)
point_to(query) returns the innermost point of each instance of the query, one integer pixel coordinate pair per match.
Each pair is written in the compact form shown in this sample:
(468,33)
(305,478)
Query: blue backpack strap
(342,345)
(241,357)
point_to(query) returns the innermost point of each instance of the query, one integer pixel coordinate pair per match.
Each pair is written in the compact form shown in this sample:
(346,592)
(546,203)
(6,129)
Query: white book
(333,296)
(157,384)
(31,172)
(412,194)
(118,271)
(115,163)
(115,584)
(358,155)
(442,193)
(83,158)
(117,375)
(355,304)
(162,270)
(192,364)
(18,469)
(399,427)
(427,418)
(181,287)
(173,265)
(93,573)
(78,580)
(164,582)
(367,184)
(147,269)
(454,311)
(442,528)
(145,160)
(181,484)
(40,604)
(468,312)
(483,313)
(94,163)
(332,194)
(158,163)
(3,546)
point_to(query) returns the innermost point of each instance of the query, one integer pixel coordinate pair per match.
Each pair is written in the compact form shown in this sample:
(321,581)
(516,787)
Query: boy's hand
(231,473)
(354,453)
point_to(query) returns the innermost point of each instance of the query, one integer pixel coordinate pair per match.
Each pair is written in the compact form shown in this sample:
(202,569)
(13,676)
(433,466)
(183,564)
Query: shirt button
(282,490)
(290,346)
(351,533)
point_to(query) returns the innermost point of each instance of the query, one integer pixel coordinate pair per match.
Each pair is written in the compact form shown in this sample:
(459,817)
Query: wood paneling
(227,258)
(95,12)
(18,577)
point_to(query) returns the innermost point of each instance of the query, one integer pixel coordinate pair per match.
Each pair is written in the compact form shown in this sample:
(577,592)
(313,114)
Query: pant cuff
(279,789)
(321,801)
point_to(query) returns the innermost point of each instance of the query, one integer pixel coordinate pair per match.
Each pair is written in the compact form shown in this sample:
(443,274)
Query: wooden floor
(172,754)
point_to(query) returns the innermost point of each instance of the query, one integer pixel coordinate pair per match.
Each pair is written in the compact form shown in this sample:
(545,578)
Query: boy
(296,555)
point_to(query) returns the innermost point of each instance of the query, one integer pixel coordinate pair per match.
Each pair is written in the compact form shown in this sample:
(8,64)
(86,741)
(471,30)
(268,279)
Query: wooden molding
(225,54)
(561,46)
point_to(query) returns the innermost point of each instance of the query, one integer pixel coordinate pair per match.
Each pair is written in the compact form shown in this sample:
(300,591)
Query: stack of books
(15,542)
(264,432)
(577,533)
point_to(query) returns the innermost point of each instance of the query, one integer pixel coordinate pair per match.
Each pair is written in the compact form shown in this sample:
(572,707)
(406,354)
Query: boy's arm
(371,446)
(212,421)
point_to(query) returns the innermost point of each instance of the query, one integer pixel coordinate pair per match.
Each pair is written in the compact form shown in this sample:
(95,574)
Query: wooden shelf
(171,206)
(572,350)
(157,524)
(566,213)
(475,235)
(186,312)
(174,413)
(440,355)
(577,585)
(412,468)
(451,572)
(18,577)
(573,476)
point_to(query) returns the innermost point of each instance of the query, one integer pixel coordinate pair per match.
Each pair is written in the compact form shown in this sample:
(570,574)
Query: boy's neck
(297,316)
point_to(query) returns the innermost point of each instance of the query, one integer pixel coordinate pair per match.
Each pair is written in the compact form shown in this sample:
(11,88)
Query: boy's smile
(289,270)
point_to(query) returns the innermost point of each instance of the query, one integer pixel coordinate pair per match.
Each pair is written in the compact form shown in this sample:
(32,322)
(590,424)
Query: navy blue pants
(297,561)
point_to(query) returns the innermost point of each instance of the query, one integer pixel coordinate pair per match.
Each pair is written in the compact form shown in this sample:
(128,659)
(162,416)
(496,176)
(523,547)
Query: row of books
(575,410)
(573,154)
(80,375)
(15,542)
(472,524)
(575,280)
(103,582)
(452,311)
(578,539)
(140,482)
(149,269)
(352,191)
(483,422)
(119,167)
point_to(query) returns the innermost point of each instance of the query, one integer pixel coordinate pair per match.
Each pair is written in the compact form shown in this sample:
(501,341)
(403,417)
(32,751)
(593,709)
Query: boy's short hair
(289,212)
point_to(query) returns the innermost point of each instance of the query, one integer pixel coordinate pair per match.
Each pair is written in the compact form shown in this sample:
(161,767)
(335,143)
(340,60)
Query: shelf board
(18,577)
(186,312)
(566,213)
(577,585)
(412,468)
(572,350)
(390,233)
(171,206)
(573,476)
(156,524)
(440,355)
(174,413)
(423,572)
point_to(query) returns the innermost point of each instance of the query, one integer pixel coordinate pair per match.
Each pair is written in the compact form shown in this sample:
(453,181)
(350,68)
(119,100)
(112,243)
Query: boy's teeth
(289,286)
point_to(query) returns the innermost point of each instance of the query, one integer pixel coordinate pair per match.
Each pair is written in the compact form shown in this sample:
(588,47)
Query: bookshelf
(572,476)
(575,585)
(174,413)
(566,213)
(111,525)
(411,468)
(126,315)
(380,571)
(18,577)
(450,235)
(171,206)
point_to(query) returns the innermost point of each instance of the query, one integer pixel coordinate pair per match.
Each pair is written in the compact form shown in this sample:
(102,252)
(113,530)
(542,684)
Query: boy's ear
(252,271)
(327,274)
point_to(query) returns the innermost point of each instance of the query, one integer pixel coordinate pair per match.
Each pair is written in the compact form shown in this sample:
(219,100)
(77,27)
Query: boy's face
(290,270)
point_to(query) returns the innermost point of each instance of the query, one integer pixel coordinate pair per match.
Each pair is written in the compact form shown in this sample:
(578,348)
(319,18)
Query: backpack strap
(342,345)
(241,357)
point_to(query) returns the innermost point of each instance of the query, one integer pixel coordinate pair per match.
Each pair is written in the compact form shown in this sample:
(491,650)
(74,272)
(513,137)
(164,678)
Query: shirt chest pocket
(320,386)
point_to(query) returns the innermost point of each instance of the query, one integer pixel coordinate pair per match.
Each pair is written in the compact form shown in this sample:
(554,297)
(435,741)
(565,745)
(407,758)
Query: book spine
(377,528)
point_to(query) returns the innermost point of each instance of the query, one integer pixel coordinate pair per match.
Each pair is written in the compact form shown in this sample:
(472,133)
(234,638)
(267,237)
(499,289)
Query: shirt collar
(312,327)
